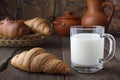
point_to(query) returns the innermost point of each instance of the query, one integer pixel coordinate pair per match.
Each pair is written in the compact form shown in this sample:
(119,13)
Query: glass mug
(87,48)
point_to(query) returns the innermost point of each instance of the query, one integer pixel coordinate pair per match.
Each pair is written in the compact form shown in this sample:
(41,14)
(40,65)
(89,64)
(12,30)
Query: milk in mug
(86,49)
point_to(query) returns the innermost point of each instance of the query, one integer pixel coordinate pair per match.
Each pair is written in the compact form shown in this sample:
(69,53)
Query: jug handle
(112,10)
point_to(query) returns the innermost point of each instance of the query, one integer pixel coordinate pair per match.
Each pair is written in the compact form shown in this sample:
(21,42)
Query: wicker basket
(28,40)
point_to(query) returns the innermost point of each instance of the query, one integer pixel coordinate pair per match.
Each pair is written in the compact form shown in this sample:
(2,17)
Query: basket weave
(28,40)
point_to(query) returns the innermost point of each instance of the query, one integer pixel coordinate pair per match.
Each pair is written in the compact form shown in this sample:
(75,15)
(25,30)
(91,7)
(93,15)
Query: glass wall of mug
(87,48)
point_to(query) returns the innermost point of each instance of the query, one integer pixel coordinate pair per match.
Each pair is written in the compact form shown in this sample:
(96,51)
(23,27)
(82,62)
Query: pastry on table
(39,60)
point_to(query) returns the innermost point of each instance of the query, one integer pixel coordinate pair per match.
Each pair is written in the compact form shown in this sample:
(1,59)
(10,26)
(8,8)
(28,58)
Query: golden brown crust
(10,28)
(39,25)
(39,60)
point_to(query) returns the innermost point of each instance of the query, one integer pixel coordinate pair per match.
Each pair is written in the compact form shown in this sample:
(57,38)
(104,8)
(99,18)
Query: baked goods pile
(39,60)
(11,28)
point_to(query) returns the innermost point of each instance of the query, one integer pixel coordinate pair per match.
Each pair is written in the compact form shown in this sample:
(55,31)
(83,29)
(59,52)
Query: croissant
(39,60)
(39,25)
(10,28)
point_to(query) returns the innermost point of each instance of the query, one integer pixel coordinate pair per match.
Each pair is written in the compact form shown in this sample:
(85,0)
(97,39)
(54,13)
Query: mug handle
(111,12)
(112,47)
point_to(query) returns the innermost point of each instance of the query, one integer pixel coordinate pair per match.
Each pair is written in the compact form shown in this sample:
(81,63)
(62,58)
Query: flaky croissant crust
(39,25)
(39,60)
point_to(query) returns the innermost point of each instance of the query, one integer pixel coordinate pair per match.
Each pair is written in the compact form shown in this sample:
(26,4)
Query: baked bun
(10,28)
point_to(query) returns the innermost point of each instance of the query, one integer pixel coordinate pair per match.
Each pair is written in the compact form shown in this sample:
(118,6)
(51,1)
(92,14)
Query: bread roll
(10,28)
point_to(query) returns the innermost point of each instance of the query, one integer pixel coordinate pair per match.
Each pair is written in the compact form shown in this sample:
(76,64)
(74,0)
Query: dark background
(27,9)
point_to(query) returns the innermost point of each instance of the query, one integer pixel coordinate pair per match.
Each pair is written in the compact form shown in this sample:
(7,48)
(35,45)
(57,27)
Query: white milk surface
(86,49)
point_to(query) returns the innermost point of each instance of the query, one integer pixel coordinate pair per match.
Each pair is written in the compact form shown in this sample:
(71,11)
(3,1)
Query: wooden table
(60,47)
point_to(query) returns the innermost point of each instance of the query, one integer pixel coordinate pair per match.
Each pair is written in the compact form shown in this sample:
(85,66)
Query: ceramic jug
(95,14)
(63,23)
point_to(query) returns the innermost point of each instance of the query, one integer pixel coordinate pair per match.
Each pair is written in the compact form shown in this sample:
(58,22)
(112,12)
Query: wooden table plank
(52,46)
(5,54)
(111,69)
(117,55)
(59,46)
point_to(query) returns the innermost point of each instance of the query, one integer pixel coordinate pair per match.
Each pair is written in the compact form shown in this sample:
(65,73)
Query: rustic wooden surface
(59,46)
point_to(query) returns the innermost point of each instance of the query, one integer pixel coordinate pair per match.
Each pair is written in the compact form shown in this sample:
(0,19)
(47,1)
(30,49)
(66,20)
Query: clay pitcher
(95,14)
